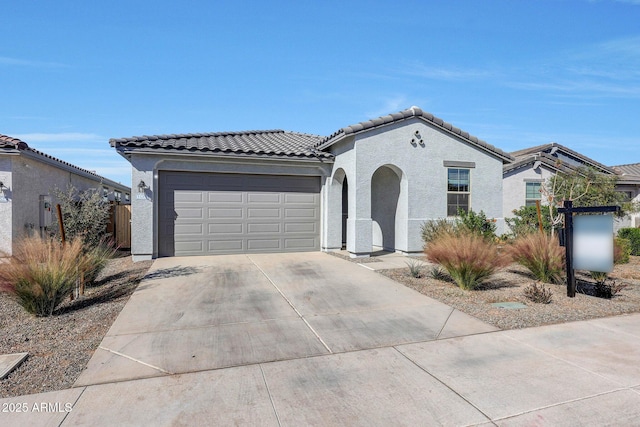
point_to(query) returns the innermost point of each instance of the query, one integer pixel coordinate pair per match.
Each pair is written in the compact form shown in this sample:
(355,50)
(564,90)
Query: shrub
(599,276)
(621,250)
(464,223)
(42,273)
(538,293)
(85,214)
(436,272)
(476,223)
(469,258)
(433,228)
(525,221)
(415,268)
(541,254)
(633,235)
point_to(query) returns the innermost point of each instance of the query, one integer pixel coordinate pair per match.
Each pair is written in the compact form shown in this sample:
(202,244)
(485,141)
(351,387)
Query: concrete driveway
(310,339)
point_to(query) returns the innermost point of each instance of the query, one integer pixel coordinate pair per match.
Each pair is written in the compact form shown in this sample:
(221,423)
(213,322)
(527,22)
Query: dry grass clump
(541,254)
(43,272)
(468,258)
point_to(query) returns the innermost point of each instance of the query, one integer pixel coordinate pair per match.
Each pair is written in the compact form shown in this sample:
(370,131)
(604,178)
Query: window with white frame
(532,193)
(458,190)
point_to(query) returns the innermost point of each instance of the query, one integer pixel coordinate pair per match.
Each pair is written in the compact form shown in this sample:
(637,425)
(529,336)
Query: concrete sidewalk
(310,339)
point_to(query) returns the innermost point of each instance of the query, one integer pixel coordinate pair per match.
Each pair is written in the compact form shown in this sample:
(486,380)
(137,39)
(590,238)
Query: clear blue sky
(515,73)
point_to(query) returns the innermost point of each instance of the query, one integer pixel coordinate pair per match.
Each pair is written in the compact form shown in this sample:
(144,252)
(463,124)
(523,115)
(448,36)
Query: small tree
(85,214)
(584,186)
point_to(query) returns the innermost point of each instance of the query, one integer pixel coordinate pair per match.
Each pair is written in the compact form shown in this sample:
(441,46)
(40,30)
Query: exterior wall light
(142,186)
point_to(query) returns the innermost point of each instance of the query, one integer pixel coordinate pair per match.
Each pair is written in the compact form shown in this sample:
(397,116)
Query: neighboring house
(533,166)
(629,183)
(366,187)
(28,179)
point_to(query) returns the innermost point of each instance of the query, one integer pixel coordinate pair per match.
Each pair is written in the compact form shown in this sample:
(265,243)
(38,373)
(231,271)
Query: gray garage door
(206,213)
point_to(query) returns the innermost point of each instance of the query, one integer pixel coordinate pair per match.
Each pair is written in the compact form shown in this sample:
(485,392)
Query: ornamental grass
(43,272)
(541,254)
(468,258)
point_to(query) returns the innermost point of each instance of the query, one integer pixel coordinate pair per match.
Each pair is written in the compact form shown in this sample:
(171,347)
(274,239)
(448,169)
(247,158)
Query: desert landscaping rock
(60,346)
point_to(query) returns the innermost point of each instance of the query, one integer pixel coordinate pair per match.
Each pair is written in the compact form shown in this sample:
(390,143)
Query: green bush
(85,214)
(43,272)
(525,221)
(468,258)
(464,223)
(477,223)
(436,227)
(633,235)
(621,250)
(541,254)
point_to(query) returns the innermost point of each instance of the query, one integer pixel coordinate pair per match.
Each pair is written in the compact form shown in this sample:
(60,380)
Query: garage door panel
(225,246)
(307,244)
(224,197)
(254,213)
(272,198)
(309,199)
(188,196)
(189,246)
(209,213)
(189,229)
(189,213)
(262,244)
(301,227)
(264,228)
(236,213)
(233,228)
(301,213)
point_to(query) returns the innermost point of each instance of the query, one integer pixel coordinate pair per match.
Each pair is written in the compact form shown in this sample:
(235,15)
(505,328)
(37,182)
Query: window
(127,197)
(532,193)
(117,195)
(105,194)
(458,191)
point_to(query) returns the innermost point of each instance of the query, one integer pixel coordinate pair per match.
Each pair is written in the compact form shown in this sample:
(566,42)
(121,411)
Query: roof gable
(261,143)
(405,115)
(566,155)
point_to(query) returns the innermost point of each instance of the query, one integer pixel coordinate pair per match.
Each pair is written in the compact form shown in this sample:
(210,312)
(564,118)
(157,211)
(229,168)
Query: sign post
(568,210)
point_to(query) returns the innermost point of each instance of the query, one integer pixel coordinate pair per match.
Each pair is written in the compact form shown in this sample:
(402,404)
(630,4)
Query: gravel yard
(60,346)
(508,286)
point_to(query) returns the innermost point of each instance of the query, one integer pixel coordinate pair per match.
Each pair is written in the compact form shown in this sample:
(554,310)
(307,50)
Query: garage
(225,213)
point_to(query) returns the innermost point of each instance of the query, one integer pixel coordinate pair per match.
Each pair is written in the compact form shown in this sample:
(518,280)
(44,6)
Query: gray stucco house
(366,187)
(533,166)
(28,179)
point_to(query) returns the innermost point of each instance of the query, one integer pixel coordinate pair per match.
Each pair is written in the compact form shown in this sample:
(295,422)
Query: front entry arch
(386,208)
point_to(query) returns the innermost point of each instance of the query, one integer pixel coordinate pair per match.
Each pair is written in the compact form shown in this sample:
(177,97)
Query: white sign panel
(593,243)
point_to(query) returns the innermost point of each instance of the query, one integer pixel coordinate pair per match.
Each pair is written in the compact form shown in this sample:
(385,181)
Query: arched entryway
(341,189)
(386,212)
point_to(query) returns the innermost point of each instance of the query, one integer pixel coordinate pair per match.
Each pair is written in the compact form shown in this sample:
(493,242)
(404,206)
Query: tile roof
(630,169)
(258,142)
(546,148)
(408,114)
(544,158)
(11,143)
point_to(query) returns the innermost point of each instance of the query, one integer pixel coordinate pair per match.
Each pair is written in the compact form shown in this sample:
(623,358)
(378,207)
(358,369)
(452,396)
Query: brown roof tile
(259,142)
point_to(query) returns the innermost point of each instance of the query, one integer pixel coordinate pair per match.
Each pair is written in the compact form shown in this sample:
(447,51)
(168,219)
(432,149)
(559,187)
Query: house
(366,187)
(524,177)
(28,179)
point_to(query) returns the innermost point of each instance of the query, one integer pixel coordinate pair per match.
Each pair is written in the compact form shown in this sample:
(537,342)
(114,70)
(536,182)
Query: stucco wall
(6,215)
(514,186)
(423,194)
(144,217)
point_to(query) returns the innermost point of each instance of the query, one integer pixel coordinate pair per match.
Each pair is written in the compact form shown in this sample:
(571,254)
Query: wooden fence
(120,225)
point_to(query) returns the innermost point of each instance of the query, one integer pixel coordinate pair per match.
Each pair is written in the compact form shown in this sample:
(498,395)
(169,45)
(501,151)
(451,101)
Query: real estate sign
(593,243)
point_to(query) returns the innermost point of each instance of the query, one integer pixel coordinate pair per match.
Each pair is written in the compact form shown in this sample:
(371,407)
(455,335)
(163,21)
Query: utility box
(45,215)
